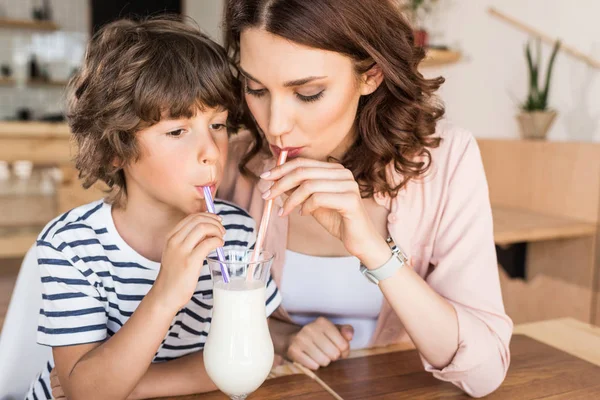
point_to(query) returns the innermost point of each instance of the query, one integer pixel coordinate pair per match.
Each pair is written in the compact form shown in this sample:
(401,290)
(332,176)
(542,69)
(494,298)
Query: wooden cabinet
(547,195)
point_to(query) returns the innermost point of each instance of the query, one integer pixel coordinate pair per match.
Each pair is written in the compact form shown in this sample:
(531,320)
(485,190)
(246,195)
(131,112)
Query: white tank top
(332,287)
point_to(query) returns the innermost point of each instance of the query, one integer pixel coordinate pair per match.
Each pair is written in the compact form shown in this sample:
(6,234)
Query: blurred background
(539,138)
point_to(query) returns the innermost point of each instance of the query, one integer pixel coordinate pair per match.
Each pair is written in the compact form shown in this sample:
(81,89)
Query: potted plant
(417,11)
(535,118)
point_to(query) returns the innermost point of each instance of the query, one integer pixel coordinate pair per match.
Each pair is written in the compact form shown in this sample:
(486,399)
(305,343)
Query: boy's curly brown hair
(134,74)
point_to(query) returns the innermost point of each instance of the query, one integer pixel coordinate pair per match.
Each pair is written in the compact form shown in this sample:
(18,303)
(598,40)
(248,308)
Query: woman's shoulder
(457,148)
(454,142)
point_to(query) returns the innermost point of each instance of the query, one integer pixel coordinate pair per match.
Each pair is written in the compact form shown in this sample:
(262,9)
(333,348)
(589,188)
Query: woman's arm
(456,318)
(329,193)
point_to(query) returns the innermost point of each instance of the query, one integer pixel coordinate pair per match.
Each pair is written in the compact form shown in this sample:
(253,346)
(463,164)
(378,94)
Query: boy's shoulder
(239,226)
(231,212)
(75,221)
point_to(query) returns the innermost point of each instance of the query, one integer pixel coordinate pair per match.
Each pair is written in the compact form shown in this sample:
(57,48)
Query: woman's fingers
(296,354)
(309,188)
(339,202)
(296,163)
(300,175)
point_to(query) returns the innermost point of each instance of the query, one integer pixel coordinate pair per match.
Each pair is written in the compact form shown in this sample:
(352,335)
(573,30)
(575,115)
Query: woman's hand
(319,343)
(329,193)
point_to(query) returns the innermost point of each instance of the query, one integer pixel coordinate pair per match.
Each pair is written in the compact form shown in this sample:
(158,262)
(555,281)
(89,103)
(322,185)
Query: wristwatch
(396,261)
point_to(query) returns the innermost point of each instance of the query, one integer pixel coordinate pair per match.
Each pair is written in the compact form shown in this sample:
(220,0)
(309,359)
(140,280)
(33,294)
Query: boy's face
(179,157)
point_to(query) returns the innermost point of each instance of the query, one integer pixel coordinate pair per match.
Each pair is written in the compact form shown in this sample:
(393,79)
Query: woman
(336,84)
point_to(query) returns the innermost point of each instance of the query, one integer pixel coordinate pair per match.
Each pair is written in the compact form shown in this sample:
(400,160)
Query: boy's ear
(371,80)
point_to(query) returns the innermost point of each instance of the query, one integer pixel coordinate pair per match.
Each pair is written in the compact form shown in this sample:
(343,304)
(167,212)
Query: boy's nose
(209,153)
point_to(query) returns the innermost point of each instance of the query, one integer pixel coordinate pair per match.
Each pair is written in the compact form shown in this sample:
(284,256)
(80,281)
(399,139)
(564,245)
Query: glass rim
(265,256)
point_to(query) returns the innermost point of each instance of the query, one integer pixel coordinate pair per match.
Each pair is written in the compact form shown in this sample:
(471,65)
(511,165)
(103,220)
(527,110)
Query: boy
(127,301)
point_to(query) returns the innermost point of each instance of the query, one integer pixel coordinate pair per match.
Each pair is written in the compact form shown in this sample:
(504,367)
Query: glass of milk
(238,354)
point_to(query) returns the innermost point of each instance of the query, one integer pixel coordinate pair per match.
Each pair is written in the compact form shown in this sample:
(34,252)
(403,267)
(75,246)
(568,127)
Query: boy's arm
(183,376)
(112,369)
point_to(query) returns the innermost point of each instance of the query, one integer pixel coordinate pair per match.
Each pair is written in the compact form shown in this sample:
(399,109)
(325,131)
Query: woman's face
(304,99)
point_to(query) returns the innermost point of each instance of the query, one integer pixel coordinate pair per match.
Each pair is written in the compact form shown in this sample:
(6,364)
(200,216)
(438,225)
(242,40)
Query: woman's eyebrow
(295,82)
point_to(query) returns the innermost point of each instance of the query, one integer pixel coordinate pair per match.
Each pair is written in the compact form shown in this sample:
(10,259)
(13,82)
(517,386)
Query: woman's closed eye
(255,92)
(302,97)
(310,98)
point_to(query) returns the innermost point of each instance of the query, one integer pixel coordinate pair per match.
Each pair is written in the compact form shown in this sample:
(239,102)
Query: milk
(238,354)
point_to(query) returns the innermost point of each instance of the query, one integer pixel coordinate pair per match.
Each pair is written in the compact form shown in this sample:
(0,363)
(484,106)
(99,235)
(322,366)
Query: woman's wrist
(377,253)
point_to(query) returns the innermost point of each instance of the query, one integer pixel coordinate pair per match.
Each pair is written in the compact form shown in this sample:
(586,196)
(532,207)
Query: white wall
(482,92)
(207,13)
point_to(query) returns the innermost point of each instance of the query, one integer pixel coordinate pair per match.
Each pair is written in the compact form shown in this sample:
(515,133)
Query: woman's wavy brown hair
(395,123)
(134,74)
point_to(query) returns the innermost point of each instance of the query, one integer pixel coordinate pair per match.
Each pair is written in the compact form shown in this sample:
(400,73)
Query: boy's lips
(212,186)
(292,151)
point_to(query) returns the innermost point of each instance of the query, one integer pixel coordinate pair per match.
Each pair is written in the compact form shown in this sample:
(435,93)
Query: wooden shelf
(514,226)
(37,83)
(28,24)
(43,83)
(437,57)
(7,81)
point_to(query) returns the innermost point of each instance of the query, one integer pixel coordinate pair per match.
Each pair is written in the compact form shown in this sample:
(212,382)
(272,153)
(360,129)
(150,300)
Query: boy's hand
(187,246)
(57,391)
(319,343)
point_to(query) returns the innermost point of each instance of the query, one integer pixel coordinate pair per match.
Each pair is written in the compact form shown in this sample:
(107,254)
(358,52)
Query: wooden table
(557,359)
(512,225)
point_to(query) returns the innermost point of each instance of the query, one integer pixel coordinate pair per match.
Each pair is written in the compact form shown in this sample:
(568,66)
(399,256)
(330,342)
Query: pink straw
(210,205)
(264,224)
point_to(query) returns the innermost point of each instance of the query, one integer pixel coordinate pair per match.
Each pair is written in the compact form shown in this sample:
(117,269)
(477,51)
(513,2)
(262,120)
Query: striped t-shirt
(93,282)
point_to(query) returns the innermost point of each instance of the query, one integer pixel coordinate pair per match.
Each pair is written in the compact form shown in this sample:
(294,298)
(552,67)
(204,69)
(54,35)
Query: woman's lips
(292,151)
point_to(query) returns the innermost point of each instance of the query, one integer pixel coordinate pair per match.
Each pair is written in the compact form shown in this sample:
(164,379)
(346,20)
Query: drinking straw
(264,224)
(210,205)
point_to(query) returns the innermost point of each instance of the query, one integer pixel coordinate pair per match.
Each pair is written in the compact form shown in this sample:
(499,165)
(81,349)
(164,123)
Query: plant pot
(421,38)
(535,124)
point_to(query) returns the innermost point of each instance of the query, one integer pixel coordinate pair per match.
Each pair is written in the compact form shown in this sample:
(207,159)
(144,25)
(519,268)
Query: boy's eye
(217,127)
(175,133)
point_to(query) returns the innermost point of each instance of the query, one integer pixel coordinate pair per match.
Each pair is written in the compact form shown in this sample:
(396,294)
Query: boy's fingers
(190,220)
(192,224)
(199,233)
(205,248)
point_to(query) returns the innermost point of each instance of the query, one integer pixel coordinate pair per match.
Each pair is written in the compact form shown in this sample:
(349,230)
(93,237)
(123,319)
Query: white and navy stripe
(93,282)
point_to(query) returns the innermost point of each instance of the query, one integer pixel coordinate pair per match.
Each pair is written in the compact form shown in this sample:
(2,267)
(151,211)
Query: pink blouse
(444,223)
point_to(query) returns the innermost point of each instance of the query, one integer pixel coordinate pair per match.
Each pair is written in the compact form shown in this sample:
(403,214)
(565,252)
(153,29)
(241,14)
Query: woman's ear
(371,80)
